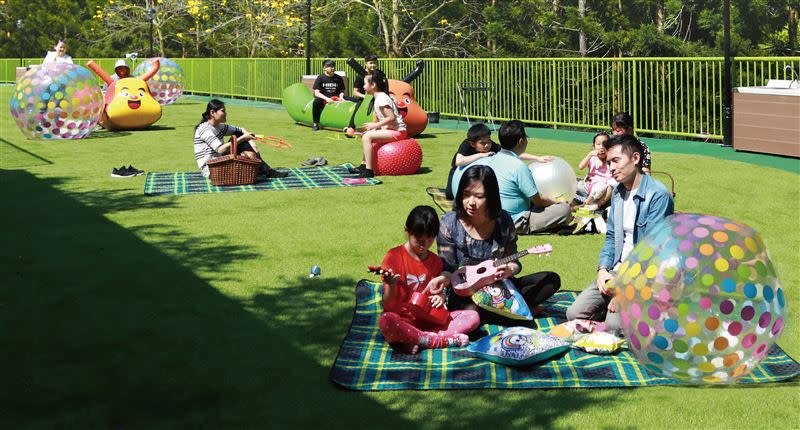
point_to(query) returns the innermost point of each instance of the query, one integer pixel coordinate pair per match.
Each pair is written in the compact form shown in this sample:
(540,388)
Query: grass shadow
(103,329)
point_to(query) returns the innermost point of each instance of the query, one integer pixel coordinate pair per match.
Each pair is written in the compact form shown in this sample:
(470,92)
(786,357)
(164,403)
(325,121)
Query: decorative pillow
(503,299)
(599,343)
(518,346)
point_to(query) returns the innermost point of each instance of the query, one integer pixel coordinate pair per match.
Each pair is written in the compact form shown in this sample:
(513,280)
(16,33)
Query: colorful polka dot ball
(166,85)
(699,300)
(57,101)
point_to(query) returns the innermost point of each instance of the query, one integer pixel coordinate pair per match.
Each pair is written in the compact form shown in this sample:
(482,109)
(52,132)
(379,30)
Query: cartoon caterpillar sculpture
(129,104)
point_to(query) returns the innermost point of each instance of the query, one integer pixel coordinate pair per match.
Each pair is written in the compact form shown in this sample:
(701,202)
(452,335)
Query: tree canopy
(399,28)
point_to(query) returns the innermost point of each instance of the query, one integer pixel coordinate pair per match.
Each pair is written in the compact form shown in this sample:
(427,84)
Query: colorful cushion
(503,299)
(599,343)
(518,346)
(572,330)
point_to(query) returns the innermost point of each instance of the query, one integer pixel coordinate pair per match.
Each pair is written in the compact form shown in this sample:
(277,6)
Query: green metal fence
(668,96)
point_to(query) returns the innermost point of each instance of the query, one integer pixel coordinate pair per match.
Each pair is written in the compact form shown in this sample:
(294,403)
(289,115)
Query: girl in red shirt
(412,267)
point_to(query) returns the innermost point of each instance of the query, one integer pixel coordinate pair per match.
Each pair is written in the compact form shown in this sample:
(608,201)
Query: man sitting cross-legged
(638,203)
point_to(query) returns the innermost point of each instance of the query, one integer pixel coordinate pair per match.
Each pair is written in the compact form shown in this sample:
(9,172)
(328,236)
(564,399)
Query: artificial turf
(121,310)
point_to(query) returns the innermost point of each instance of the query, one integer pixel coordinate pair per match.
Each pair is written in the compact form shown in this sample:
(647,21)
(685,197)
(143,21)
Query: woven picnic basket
(233,169)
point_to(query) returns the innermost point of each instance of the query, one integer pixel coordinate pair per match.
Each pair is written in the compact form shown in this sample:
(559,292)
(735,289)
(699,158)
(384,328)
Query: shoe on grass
(135,171)
(321,161)
(122,172)
(310,162)
(315,127)
(357,170)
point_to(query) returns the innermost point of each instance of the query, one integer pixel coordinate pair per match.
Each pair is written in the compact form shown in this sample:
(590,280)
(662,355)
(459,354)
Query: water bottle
(314,272)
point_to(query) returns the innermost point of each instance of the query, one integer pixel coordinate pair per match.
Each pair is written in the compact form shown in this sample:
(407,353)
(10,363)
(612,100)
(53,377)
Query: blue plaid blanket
(180,183)
(366,362)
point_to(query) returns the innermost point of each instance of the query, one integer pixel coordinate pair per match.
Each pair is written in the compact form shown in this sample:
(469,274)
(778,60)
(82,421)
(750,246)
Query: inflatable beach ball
(57,101)
(166,85)
(555,179)
(699,299)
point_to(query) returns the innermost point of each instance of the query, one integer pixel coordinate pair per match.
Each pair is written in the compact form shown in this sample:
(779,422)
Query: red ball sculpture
(403,157)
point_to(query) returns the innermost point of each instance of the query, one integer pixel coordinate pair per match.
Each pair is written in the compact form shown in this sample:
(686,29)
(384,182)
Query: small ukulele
(469,279)
(420,304)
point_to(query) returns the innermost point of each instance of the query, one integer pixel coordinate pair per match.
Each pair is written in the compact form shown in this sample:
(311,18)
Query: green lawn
(120,310)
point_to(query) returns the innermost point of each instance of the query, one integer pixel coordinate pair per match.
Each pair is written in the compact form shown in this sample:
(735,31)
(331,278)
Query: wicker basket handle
(233,146)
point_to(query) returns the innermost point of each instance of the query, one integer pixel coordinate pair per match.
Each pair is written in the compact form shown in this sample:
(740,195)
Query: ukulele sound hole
(481,271)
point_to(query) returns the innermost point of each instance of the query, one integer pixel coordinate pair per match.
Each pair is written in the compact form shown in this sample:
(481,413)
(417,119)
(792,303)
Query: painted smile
(403,112)
(134,104)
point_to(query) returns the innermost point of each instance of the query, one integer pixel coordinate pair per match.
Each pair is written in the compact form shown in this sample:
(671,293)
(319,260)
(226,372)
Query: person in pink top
(597,185)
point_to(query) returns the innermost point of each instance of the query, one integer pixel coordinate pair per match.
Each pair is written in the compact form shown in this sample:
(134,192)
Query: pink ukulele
(469,279)
(420,304)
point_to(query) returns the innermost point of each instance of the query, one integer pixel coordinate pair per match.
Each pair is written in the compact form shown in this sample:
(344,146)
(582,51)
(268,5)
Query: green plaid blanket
(180,183)
(366,362)
(440,199)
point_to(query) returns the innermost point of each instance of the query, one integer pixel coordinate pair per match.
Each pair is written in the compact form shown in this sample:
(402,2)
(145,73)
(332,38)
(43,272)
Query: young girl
(389,126)
(208,136)
(598,179)
(413,267)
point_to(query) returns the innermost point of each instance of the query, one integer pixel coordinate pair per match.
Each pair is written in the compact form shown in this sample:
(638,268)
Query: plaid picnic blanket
(180,183)
(366,362)
(440,199)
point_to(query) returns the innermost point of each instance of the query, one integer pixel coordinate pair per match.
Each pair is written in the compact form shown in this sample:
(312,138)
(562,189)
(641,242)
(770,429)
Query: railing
(667,96)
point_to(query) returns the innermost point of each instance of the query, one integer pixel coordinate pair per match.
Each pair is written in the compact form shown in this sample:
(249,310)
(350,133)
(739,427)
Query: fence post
(635,100)
(553,109)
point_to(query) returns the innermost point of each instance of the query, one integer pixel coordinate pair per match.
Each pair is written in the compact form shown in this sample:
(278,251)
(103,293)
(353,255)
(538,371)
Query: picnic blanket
(180,183)
(440,199)
(366,362)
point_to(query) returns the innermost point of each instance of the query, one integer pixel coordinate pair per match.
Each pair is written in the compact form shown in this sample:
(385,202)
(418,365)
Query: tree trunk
(395,25)
(581,35)
(793,15)
(660,16)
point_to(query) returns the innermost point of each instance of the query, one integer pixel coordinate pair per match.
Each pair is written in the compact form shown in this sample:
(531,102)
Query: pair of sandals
(315,161)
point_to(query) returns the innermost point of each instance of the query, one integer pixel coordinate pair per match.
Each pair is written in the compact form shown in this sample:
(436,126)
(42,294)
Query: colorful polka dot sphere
(166,85)
(700,300)
(57,101)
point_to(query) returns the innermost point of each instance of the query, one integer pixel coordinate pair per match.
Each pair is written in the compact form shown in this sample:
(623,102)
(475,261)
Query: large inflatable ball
(57,101)
(555,179)
(166,85)
(700,300)
(403,157)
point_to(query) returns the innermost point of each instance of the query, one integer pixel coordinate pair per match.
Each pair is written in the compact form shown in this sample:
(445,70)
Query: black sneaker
(135,171)
(367,173)
(357,170)
(122,172)
(315,127)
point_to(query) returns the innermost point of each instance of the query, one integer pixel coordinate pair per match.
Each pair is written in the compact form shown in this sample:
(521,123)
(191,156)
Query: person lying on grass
(209,135)
(389,126)
(412,267)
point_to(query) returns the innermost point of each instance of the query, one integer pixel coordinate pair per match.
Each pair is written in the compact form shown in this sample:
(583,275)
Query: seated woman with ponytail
(209,136)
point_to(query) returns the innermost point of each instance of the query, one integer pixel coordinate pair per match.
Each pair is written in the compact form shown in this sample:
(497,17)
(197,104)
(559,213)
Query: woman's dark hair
(378,78)
(213,104)
(602,133)
(371,57)
(422,221)
(478,131)
(630,145)
(486,176)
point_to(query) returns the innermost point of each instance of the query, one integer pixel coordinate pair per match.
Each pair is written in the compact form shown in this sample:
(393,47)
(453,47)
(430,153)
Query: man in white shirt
(638,203)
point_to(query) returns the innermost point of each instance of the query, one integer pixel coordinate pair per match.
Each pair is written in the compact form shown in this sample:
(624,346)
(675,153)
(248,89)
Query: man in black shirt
(371,61)
(328,87)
